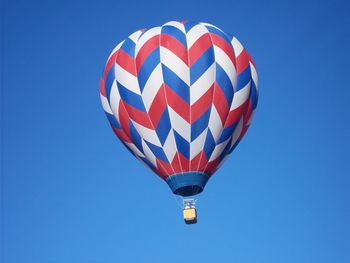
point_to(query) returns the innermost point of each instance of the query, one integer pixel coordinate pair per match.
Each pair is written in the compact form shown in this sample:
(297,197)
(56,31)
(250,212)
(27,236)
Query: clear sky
(72,193)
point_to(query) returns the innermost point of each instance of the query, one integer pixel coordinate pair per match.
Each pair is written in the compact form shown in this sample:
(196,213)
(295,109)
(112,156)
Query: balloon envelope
(180,97)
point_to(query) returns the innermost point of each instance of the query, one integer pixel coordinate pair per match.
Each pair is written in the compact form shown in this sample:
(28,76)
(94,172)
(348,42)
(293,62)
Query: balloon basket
(189,212)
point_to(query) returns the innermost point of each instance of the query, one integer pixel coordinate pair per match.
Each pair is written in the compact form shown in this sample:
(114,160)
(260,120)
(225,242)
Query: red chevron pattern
(180,97)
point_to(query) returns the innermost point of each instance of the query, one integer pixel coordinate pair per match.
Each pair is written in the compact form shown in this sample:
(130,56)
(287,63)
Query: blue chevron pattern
(180,96)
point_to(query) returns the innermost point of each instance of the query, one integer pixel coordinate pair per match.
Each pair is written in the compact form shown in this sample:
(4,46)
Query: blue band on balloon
(188,183)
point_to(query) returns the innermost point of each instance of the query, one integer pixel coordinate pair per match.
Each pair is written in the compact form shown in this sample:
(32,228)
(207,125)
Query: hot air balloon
(180,97)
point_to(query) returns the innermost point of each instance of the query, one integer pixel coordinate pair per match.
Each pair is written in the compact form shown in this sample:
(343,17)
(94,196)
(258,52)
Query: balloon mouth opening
(189,190)
(188,183)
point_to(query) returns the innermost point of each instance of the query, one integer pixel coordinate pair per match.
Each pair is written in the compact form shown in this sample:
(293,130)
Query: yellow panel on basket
(189,213)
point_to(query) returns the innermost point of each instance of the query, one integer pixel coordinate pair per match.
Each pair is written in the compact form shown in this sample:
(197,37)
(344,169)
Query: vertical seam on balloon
(144,105)
(234,91)
(122,104)
(212,99)
(167,104)
(117,117)
(246,106)
(189,68)
(243,112)
(128,115)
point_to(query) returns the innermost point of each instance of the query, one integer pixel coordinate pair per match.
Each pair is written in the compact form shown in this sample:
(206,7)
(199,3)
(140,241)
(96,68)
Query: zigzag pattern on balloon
(180,97)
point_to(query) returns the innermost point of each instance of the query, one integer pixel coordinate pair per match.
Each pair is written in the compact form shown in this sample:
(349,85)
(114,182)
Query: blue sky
(71,192)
